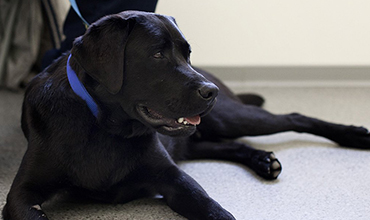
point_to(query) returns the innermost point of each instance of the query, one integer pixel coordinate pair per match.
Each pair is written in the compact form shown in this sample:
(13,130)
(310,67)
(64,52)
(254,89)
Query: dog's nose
(208,91)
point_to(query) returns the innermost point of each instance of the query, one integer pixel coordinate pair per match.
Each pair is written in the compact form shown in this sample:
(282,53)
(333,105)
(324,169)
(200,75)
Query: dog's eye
(158,55)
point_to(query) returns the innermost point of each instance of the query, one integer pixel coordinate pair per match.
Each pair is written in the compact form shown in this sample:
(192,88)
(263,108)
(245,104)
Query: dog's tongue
(195,120)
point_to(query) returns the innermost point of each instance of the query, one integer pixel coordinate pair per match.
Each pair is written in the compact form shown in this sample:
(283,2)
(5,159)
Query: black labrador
(110,119)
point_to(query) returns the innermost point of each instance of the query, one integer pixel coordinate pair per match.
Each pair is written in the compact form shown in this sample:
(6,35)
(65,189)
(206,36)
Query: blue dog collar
(80,89)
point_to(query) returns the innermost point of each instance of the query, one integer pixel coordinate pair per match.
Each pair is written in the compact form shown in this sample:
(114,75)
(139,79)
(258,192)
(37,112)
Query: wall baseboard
(293,76)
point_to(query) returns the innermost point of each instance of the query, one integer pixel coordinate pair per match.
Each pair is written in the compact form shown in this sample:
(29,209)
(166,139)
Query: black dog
(118,140)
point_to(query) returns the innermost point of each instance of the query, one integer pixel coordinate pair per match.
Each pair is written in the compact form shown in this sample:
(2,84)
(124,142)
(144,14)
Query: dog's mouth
(169,126)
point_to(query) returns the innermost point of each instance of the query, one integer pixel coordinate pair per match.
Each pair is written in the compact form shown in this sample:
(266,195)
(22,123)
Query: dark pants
(92,10)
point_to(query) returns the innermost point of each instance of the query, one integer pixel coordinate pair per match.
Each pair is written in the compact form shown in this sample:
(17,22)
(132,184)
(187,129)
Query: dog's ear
(100,51)
(172,19)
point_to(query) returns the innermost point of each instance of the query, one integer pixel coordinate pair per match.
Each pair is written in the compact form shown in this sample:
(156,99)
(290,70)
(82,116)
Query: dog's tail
(251,99)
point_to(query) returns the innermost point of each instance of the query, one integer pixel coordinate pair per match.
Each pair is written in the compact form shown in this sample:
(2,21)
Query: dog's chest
(107,160)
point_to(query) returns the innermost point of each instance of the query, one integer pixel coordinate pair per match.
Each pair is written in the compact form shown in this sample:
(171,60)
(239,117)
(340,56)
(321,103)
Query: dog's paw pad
(266,165)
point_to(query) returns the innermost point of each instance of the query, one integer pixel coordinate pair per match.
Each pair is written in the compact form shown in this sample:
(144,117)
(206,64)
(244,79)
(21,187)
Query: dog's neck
(80,90)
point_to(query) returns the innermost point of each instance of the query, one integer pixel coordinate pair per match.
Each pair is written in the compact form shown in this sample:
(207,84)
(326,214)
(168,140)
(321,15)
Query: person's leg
(92,10)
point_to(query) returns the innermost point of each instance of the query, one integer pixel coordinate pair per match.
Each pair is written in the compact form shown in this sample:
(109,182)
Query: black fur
(136,67)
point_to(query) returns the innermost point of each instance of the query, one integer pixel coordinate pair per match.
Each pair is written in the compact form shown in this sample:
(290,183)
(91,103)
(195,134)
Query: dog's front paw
(265,164)
(31,213)
(223,216)
(219,213)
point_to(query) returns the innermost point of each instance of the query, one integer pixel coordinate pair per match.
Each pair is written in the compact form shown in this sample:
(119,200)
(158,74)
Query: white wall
(274,32)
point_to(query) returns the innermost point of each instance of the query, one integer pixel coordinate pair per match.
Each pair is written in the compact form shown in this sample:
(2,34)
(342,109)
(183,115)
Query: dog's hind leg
(251,99)
(232,119)
(235,116)
(263,163)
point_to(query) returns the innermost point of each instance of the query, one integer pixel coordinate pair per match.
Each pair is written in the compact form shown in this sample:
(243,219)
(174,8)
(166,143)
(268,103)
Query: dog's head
(141,61)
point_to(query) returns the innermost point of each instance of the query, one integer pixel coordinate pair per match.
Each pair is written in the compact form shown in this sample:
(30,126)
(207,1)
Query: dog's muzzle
(181,122)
